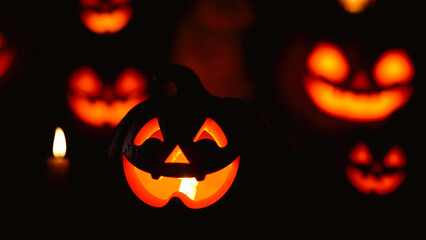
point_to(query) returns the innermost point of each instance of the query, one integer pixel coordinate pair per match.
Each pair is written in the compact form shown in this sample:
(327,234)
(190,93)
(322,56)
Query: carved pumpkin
(362,99)
(6,56)
(98,104)
(186,146)
(105,16)
(355,6)
(380,176)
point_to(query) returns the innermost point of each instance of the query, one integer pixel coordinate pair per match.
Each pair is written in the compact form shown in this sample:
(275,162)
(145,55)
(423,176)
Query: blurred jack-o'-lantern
(186,146)
(105,16)
(209,40)
(355,6)
(99,104)
(379,176)
(7,55)
(328,70)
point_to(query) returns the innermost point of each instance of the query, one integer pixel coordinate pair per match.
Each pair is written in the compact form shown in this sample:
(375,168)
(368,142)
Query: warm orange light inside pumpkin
(210,130)
(151,129)
(361,154)
(375,181)
(106,21)
(393,67)
(194,194)
(355,6)
(395,158)
(349,105)
(328,61)
(99,105)
(6,56)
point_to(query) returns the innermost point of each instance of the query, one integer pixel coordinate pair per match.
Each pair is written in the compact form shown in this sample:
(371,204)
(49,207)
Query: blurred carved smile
(353,106)
(369,183)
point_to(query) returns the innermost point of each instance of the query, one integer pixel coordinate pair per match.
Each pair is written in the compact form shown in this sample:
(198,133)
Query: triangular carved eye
(393,67)
(150,130)
(360,154)
(211,130)
(85,81)
(395,158)
(328,61)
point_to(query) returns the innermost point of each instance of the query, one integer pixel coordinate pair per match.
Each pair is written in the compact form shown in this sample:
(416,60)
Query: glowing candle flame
(59,143)
(188,186)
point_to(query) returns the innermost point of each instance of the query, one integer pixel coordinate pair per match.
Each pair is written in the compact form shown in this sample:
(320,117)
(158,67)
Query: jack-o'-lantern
(105,16)
(98,104)
(186,146)
(355,6)
(362,99)
(380,175)
(6,56)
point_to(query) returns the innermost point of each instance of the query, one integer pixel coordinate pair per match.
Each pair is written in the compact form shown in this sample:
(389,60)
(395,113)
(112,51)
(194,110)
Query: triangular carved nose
(177,156)
(360,82)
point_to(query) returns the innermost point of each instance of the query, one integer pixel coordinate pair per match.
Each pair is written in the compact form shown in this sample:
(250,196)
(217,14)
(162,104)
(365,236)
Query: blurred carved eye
(393,67)
(360,154)
(150,130)
(395,158)
(130,81)
(328,61)
(211,130)
(85,81)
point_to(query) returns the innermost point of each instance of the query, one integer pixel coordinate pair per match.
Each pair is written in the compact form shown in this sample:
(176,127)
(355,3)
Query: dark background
(312,197)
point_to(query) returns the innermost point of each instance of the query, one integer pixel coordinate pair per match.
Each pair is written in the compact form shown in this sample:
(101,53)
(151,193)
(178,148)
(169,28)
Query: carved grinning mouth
(352,106)
(368,183)
(99,113)
(194,194)
(106,22)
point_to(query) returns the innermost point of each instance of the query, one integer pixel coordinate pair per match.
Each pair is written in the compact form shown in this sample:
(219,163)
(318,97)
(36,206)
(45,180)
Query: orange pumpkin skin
(369,176)
(103,17)
(7,56)
(98,105)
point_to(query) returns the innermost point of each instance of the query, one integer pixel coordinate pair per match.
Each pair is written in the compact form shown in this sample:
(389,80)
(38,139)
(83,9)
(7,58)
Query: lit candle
(57,166)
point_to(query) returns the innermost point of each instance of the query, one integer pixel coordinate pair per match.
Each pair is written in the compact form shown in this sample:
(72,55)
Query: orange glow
(194,194)
(97,105)
(210,130)
(85,81)
(360,154)
(369,183)
(105,17)
(6,56)
(150,130)
(328,61)
(177,156)
(99,113)
(393,67)
(395,158)
(130,82)
(355,6)
(352,106)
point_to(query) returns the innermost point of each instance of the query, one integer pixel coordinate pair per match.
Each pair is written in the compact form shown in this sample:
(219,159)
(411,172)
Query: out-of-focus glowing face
(99,105)
(6,56)
(379,177)
(105,16)
(193,192)
(355,6)
(328,68)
